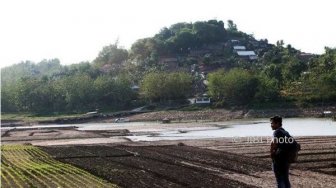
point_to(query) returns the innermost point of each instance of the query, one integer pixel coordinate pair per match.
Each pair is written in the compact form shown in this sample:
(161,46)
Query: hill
(181,61)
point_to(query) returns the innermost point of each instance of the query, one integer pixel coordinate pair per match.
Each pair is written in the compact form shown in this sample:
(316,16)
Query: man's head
(276,122)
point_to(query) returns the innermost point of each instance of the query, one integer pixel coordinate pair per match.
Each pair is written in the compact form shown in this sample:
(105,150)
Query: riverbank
(173,115)
(225,115)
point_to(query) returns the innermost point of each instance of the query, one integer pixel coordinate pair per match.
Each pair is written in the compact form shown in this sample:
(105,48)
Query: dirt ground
(213,115)
(225,114)
(160,166)
(200,163)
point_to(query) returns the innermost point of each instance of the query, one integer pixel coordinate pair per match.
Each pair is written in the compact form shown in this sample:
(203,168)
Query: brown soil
(177,115)
(160,166)
(201,163)
(48,134)
(223,114)
(209,115)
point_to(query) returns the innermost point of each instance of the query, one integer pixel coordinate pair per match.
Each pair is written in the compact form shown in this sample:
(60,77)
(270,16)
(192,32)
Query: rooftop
(246,53)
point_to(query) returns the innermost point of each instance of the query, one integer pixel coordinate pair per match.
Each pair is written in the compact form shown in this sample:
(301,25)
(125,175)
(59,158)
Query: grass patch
(195,107)
(29,166)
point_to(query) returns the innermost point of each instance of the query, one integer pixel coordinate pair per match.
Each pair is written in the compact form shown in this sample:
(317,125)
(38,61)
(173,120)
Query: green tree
(153,86)
(142,49)
(209,32)
(232,27)
(319,82)
(293,69)
(267,90)
(176,28)
(184,40)
(79,92)
(178,85)
(8,98)
(235,87)
(164,34)
(274,71)
(34,95)
(26,94)
(160,86)
(112,55)
(112,93)
(12,74)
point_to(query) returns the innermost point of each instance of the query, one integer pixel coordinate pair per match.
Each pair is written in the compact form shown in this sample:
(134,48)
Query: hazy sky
(76,30)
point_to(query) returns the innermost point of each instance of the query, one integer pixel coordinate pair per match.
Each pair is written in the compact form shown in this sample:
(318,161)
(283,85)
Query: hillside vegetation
(181,61)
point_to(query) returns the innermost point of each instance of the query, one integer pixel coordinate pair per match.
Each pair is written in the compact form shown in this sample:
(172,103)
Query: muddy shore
(184,116)
(224,115)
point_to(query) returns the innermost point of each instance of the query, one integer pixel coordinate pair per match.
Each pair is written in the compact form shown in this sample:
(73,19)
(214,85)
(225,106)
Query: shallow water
(154,131)
(250,128)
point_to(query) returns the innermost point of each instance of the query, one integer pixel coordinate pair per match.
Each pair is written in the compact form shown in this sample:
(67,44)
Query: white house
(247,54)
(239,48)
(235,41)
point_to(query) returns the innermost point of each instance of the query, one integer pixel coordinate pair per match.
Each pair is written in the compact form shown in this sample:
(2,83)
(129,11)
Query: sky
(76,30)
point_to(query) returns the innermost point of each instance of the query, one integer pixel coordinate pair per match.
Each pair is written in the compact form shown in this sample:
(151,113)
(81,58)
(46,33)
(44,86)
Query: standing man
(278,152)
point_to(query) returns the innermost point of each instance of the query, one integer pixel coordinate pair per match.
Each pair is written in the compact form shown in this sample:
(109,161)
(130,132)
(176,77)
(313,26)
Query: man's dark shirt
(281,137)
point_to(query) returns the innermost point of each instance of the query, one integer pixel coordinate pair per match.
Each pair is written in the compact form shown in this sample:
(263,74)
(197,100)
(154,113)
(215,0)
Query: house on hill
(234,42)
(305,56)
(251,55)
(239,48)
(200,99)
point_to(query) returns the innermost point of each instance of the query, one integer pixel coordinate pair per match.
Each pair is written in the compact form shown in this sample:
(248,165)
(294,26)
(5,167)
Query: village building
(305,56)
(251,55)
(234,42)
(239,48)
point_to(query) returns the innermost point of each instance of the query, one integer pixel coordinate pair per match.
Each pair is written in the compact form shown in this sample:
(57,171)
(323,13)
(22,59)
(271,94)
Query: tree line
(82,87)
(280,74)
